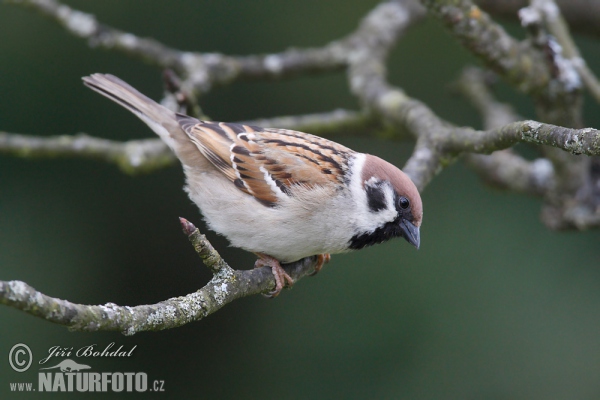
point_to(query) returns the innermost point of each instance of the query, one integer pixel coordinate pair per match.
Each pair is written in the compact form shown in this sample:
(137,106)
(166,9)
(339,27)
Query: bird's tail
(159,118)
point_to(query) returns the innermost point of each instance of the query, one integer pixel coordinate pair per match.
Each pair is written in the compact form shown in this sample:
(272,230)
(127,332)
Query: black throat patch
(382,234)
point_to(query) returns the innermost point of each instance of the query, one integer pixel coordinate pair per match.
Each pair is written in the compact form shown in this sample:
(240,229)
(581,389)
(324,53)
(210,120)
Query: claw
(322,259)
(281,277)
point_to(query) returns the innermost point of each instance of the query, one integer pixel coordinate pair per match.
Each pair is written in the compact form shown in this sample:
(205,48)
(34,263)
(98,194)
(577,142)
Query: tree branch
(507,170)
(534,66)
(546,15)
(202,71)
(86,26)
(558,101)
(365,52)
(582,15)
(140,156)
(518,63)
(504,168)
(226,286)
(131,156)
(575,141)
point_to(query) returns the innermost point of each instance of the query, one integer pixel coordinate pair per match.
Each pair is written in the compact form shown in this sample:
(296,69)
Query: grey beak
(411,233)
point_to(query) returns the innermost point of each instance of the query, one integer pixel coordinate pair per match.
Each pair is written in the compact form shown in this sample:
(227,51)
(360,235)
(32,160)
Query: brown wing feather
(267,163)
(310,159)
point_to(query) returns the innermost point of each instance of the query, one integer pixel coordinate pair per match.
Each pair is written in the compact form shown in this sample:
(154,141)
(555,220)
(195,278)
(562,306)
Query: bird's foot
(281,277)
(322,259)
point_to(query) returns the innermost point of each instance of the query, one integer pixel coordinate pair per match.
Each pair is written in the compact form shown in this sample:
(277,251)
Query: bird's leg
(322,259)
(281,277)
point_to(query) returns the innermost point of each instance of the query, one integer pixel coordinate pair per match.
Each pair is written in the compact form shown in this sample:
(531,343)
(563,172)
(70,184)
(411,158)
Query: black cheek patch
(375,198)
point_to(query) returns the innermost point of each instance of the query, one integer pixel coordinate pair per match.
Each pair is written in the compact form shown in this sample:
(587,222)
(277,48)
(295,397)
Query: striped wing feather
(265,162)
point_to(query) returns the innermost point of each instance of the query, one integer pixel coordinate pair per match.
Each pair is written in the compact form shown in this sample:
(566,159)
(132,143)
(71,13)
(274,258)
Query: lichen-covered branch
(226,286)
(547,15)
(582,15)
(557,97)
(533,67)
(548,67)
(575,141)
(438,148)
(517,62)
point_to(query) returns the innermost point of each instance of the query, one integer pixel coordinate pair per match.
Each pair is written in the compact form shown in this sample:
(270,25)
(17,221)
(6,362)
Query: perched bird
(281,194)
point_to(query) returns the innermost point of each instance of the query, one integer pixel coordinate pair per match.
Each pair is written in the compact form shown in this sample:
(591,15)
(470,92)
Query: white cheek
(365,219)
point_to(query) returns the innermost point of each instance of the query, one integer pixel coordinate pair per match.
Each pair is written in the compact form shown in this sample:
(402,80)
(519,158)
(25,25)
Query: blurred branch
(136,156)
(547,67)
(504,168)
(547,14)
(508,170)
(582,15)
(202,71)
(533,67)
(86,26)
(336,122)
(575,202)
(474,83)
(226,286)
(364,52)
(449,142)
(519,63)
(131,156)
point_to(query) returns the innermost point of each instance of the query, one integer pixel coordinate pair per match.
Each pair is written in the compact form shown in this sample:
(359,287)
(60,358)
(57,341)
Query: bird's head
(392,205)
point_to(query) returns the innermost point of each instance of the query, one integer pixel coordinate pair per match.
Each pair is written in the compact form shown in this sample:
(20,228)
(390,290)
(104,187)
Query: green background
(493,305)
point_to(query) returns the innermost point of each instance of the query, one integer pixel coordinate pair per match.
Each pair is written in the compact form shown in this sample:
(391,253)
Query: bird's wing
(266,163)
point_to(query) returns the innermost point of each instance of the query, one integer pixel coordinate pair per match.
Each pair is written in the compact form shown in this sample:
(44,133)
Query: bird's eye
(404,203)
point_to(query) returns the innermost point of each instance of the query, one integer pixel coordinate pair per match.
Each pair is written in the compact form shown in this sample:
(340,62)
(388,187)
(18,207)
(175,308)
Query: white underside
(295,230)
(303,225)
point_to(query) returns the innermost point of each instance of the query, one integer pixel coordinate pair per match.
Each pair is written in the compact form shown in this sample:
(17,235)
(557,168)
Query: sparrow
(281,194)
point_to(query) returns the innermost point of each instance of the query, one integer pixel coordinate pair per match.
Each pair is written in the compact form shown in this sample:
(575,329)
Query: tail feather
(159,118)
